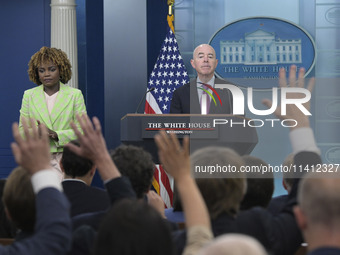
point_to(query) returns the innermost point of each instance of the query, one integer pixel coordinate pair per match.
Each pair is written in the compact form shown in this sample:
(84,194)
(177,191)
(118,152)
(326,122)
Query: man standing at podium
(190,97)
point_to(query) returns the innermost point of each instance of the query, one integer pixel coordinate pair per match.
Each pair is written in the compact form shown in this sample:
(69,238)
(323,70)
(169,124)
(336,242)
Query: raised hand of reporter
(174,157)
(93,146)
(32,152)
(297,82)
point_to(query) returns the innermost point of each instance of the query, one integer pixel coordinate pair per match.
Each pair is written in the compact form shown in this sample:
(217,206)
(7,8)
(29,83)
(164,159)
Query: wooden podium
(204,130)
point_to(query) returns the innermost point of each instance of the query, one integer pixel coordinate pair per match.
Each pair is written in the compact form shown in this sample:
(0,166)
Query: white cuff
(302,139)
(47,178)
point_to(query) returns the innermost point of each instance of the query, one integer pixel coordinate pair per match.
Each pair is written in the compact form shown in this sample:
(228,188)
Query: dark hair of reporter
(133,227)
(260,186)
(74,165)
(136,164)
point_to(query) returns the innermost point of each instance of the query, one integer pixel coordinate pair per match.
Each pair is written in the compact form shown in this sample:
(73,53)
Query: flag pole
(168,74)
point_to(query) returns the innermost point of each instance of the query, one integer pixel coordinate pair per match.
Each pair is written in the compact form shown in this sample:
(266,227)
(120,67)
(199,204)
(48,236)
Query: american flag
(168,74)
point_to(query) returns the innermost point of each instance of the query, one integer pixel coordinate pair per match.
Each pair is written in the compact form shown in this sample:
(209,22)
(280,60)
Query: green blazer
(69,102)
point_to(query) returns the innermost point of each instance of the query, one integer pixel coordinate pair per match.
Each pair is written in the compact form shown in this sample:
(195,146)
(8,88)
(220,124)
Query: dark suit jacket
(279,234)
(117,189)
(84,198)
(277,203)
(185,99)
(85,225)
(52,228)
(325,251)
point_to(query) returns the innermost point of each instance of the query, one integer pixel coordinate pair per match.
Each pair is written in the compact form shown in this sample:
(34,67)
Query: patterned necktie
(205,101)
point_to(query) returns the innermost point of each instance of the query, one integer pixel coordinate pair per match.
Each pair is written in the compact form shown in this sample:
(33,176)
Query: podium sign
(203,130)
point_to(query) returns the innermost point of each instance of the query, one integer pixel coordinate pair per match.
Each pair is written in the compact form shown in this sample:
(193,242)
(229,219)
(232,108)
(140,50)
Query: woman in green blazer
(52,102)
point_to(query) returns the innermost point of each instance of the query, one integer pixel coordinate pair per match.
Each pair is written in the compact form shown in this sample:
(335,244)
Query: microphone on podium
(141,100)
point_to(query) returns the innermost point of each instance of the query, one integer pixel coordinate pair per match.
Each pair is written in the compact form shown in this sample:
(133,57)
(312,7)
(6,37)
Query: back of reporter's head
(19,199)
(133,227)
(222,190)
(260,185)
(319,199)
(74,165)
(136,164)
(233,244)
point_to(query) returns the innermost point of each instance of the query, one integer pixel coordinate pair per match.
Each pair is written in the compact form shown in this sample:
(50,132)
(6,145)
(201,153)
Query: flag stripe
(166,182)
(151,105)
